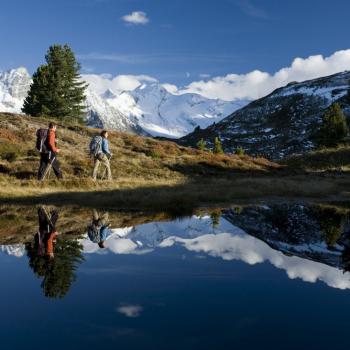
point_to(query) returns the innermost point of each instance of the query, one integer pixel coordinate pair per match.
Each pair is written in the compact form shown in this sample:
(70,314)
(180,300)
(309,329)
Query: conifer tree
(57,89)
(332,224)
(57,274)
(218,146)
(240,151)
(215,218)
(202,145)
(334,127)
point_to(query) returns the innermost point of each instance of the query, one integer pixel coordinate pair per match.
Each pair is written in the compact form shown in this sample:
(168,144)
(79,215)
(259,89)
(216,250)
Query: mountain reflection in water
(307,242)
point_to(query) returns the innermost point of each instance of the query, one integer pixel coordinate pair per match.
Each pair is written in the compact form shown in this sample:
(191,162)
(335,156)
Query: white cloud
(170,88)
(230,87)
(136,17)
(257,84)
(204,76)
(156,57)
(122,246)
(103,82)
(253,251)
(130,310)
(251,10)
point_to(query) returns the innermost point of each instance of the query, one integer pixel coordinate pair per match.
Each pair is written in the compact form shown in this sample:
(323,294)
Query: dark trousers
(47,221)
(49,159)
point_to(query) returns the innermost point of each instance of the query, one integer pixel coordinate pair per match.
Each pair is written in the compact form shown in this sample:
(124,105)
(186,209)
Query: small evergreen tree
(218,146)
(57,89)
(202,145)
(239,151)
(334,127)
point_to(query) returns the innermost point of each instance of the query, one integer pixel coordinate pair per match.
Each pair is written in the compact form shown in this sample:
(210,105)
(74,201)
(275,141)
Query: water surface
(266,277)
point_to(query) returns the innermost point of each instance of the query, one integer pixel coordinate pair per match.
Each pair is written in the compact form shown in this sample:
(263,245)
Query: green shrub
(153,154)
(218,146)
(201,145)
(32,153)
(240,151)
(9,156)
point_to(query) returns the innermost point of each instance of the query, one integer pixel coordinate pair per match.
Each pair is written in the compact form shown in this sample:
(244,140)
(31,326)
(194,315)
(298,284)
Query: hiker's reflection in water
(99,230)
(54,262)
(46,236)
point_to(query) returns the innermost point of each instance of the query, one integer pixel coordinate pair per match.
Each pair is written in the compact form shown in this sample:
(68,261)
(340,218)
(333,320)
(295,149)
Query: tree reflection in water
(332,221)
(53,260)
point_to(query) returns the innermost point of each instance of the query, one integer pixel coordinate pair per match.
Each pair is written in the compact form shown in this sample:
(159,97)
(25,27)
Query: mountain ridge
(281,123)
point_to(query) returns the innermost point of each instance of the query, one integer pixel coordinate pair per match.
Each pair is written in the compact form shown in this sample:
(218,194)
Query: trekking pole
(47,171)
(48,167)
(48,217)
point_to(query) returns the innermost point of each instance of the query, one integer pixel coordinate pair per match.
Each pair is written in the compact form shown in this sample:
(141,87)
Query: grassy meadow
(151,174)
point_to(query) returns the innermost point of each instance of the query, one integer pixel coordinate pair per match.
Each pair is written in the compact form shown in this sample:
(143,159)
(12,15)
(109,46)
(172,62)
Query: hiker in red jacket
(48,157)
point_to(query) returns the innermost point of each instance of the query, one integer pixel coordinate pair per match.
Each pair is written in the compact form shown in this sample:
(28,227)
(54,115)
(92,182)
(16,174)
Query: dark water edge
(266,276)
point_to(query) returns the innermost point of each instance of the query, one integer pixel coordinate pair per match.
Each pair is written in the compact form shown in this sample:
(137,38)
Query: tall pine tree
(57,89)
(334,127)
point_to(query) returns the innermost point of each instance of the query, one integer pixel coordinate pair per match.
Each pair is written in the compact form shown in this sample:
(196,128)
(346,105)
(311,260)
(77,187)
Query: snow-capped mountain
(14,85)
(281,123)
(161,113)
(148,110)
(101,114)
(17,250)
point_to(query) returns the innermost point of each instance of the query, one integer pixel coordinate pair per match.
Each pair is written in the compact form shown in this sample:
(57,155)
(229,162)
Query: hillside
(335,160)
(282,123)
(148,174)
(147,110)
(138,162)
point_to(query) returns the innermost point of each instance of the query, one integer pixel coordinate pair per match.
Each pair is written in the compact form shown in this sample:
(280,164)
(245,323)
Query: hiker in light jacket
(103,157)
(49,156)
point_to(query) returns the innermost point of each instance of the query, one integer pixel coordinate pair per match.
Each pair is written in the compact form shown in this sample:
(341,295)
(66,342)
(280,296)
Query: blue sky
(182,41)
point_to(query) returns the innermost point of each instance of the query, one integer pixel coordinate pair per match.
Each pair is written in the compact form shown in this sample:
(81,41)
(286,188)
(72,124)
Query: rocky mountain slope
(281,123)
(148,110)
(313,232)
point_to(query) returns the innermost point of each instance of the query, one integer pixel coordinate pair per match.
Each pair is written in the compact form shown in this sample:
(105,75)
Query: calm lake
(250,277)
